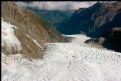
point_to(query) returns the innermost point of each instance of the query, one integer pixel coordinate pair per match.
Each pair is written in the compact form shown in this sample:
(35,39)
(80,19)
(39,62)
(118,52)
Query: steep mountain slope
(113,39)
(94,20)
(110,39)
(54,16)
(31,31)
(65,62)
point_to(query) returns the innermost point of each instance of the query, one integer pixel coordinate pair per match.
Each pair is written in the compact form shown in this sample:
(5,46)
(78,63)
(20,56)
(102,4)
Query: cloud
(57,5)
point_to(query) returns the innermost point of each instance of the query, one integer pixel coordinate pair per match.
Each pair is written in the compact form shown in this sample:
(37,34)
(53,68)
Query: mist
(57,5)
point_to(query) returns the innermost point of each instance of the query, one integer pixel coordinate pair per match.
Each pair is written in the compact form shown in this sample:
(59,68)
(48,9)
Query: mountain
(25,34)
(94,20)
(110,39)
(54,16)
(29,31)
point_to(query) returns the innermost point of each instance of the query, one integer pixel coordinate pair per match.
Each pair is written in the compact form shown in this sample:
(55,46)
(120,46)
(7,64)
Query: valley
(41,42)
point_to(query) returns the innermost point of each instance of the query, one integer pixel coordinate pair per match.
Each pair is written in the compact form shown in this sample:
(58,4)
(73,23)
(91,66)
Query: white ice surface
(35,42)
(8,38)
(65,62)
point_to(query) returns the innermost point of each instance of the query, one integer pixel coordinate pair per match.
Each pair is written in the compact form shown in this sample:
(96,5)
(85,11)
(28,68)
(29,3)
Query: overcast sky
(57,5)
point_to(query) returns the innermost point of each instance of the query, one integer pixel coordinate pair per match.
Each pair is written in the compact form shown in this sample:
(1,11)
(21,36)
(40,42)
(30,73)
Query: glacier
(9,39)
(72,61)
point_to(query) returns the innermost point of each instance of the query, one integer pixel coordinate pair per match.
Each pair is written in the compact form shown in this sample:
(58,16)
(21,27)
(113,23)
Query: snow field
(74,61)
(8,38)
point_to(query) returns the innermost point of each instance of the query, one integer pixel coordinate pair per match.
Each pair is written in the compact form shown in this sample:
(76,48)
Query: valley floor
(73,61)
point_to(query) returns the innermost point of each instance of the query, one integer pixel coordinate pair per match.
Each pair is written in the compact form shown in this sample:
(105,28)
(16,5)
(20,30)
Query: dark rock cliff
(110,39)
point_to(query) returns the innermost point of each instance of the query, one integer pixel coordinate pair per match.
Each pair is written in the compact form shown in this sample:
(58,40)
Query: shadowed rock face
(94,20)
(111,39)
(30,24)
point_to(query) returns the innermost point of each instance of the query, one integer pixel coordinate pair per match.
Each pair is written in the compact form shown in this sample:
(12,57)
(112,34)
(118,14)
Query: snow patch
(8,37)
(36,42)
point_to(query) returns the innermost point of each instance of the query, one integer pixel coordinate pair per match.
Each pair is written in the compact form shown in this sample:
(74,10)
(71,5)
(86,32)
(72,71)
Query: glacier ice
(74,61)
